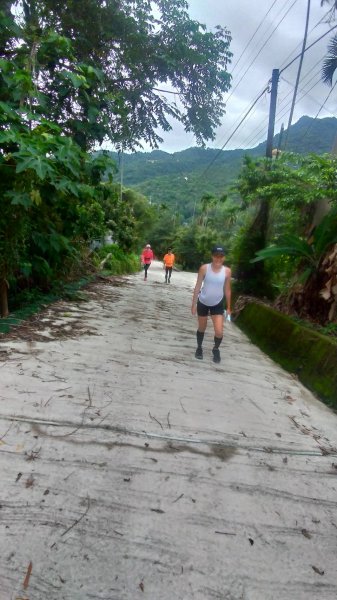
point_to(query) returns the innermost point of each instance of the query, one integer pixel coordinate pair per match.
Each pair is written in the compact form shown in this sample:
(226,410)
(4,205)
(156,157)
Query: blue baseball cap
(218,250)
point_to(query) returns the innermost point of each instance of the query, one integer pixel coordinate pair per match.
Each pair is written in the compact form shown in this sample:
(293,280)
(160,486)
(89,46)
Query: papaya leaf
(67,186)
(19,199)
(30,159)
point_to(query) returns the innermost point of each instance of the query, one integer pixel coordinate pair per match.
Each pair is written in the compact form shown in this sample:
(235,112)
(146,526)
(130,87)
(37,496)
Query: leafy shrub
(116,261)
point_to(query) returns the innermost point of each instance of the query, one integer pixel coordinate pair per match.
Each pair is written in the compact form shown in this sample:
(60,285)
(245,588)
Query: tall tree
(307,257)
(120,54)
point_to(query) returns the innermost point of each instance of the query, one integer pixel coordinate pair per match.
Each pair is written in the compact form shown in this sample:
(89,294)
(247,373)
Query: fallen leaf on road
(306,534)
(28,574)
(29,482)
(290,399)
(317,570)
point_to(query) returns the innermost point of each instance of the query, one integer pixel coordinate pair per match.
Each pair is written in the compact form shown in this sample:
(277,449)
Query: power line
(235,130)
(293,60)
(257,135)
(308,48)
(262,47)
(259,130)
(293,102)
(265,89)
(299,44)
(318,112)
(275,29)
(254,34)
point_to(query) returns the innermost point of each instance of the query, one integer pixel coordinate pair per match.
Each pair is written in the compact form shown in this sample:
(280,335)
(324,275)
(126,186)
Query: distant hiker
(168,261)
(212,287)
(146,258)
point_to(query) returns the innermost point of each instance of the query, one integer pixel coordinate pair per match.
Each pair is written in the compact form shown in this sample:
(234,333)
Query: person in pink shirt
(146,258)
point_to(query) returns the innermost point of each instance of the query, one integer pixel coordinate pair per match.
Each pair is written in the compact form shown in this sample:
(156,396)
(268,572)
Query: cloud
(277,40)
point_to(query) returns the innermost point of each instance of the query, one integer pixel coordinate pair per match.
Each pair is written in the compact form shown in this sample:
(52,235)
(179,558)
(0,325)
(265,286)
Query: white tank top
(212,291)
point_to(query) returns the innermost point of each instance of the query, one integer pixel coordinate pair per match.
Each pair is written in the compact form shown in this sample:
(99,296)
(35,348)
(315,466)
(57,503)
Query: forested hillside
(73,74)
(181,178)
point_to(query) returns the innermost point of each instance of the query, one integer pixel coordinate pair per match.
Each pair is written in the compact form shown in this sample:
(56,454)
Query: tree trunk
(252,277)
(316,300)
(4,312)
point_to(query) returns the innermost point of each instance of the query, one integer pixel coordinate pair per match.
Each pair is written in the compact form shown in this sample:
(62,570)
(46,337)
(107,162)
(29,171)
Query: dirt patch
(54,322)
(67,319)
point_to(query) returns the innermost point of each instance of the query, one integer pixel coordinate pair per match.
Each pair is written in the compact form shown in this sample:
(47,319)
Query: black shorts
(203,310)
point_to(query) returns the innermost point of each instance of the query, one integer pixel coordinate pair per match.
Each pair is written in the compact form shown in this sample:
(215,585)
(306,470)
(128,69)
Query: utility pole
(272,112)
(279,145)
(298,73)
(255,275)
(122,173)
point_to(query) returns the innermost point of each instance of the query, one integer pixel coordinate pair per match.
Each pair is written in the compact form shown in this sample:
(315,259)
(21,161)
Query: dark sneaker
(199,353)
(216,355)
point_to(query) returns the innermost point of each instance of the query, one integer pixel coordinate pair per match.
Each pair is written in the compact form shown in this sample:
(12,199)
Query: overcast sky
(284,25)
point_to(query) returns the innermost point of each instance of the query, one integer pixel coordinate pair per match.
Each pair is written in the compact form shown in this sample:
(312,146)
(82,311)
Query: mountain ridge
(169,177)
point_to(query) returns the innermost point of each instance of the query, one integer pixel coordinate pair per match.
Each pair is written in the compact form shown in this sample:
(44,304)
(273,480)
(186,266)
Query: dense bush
(116,261)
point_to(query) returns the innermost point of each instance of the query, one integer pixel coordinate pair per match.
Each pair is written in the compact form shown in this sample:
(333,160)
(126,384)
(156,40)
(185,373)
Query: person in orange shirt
(168,261)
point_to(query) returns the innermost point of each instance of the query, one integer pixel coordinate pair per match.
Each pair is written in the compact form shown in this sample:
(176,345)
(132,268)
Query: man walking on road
(168,261)
(146,258)
(212,287)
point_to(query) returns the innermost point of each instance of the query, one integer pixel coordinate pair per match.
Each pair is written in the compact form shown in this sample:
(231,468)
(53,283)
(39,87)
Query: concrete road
(129,469)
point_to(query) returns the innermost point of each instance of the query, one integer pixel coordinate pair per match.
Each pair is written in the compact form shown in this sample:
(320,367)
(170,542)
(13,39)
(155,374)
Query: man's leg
(145,271)
(166,274)
(169,274)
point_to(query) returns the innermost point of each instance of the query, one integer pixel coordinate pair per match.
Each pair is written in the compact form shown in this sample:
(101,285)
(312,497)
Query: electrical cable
(308,48)
(235,87)
(235,130)
(249,141)
(298,74)
(265,89)
(280,116)
(321,108)
(262,47)
(252,37)
(299,44)
(257,136)
(261,40)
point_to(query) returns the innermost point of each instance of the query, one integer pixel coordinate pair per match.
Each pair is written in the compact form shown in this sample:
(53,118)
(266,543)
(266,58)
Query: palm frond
(291,246)
(330,62)
(325,233)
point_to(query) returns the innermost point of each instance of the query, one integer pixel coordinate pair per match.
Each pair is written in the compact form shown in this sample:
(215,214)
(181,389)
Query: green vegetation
(179,180)
(75,74)
(306,353)
(115,261)
(299,196)
(72,75)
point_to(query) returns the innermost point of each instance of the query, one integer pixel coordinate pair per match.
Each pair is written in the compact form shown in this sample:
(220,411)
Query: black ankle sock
(217,341)
(200,338)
